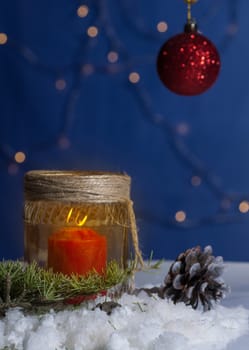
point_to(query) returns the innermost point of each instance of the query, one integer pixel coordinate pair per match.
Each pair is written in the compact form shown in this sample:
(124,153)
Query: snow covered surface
(142,323)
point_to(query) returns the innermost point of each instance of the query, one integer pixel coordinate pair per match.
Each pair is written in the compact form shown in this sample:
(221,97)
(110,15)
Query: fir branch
(34,288)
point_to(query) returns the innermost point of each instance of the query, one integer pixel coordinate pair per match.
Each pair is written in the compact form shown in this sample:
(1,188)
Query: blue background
(101,121)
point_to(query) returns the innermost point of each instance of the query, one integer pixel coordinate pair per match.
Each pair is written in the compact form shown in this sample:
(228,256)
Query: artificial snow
(142,323)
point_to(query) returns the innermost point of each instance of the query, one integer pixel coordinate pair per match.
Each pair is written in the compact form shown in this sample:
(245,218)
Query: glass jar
(77,221)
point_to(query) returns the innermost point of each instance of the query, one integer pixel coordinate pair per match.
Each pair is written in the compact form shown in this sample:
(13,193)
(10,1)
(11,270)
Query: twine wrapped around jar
(73,197)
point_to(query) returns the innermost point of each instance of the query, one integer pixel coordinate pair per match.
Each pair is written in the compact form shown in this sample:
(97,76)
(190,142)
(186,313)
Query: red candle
(77,250)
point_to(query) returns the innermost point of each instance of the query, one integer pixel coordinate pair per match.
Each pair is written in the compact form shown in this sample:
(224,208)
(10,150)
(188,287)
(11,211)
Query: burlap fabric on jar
(70,201)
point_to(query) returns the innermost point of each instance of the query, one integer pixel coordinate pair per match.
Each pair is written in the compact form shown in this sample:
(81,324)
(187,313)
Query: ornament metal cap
(191,26)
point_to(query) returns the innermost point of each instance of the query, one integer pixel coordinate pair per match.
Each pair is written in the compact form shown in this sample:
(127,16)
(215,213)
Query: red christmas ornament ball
(188,64)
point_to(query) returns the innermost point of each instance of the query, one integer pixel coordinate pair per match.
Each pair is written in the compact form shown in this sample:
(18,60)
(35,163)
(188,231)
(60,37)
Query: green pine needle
(30,286)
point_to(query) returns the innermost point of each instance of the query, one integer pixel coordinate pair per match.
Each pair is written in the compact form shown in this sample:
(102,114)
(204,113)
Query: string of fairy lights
(101,22)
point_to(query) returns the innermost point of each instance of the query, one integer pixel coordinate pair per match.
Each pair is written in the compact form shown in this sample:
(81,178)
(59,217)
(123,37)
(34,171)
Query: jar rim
(73,172)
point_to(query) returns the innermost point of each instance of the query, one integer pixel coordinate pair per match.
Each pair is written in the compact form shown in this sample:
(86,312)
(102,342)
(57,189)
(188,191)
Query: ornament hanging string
(189,6)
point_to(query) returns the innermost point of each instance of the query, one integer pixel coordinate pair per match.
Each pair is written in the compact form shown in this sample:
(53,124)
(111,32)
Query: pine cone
(194,277)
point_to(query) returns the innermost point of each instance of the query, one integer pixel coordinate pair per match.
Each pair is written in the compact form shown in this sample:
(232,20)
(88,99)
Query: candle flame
(81,223)
(69,215)
(76,219)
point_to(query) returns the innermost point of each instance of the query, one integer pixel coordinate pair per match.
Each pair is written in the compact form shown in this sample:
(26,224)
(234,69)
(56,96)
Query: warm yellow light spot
(162,27)
(244,207)
(81,222)
(195,180)
(3,38)
(13,169)
(87,69)
(112,56)
(225,203)
(64,142)
(183,128)
(82,11)
(20,157)
(232,28)
(134,77)
(60,84)
(180,216)
(92,31)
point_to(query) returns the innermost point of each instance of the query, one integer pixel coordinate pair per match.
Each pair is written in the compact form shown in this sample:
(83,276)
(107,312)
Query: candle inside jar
(77,250)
